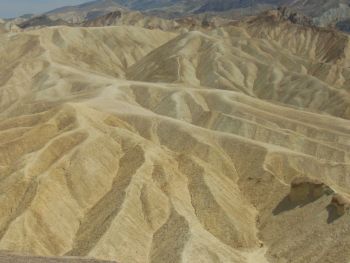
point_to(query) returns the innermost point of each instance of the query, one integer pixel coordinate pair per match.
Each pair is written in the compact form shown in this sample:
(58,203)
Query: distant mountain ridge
(165,14)
(86,11)
(322,12)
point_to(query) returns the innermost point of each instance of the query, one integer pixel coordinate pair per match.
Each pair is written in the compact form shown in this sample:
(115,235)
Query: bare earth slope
(132,18)
(12,258)
(322,12)
(138,145)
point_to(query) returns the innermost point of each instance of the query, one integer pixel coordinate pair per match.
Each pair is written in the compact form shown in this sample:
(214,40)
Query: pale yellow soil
(12,258)
(144,146)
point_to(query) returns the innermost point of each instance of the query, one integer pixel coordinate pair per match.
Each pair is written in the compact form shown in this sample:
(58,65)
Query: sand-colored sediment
(145,146)
(13,258)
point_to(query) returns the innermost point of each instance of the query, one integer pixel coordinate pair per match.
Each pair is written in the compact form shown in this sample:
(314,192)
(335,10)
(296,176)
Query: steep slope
(136,145)
(12,258)
(41,21)
(6,27)
(133,19)
(153,22)
(2,27)
(89,10)
(314,66)
(94,50)
(323,13)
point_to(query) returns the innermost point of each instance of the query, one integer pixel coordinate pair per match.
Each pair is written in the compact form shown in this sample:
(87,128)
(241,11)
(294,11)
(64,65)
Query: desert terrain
(13,258)
(226,143)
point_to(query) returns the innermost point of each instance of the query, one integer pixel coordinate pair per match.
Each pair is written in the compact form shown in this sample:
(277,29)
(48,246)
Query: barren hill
(139,19)
(135,145)
(134,19)
(323,12)
(12,258)
(89,10)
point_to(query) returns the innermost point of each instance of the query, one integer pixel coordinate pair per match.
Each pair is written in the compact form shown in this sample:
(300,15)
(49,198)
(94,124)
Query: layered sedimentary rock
(341,203)
(135,145)
(12,258)
(305,190)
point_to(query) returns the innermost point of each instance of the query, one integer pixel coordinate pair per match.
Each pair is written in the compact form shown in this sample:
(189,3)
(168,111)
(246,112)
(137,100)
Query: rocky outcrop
(41,21)
(105,20)
(294,17)
(131,18)
(341,204)
(304,189)
(283,14)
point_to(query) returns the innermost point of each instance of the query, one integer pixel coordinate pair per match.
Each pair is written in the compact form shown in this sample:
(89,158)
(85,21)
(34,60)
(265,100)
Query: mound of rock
(294,17)
(282,14)
(41,21)
(305,189)
(341,203)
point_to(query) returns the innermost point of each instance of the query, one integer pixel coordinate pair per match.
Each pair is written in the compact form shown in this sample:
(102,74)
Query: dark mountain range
(322,12)
(42,20)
